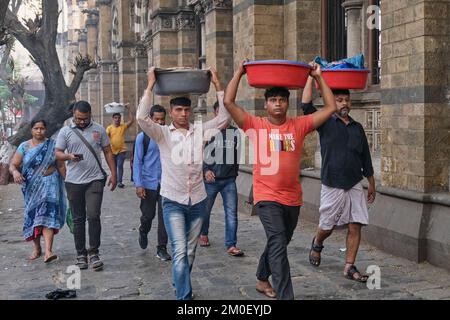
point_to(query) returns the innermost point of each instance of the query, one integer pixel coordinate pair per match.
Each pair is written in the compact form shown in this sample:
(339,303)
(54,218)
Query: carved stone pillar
(353,9)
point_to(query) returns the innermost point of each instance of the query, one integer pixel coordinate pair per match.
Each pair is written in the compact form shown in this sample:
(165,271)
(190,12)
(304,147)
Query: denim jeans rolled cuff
(228,191)
(183,224)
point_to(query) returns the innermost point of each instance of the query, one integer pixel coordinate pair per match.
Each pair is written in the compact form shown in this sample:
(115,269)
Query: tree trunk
(42,47)
(3,8)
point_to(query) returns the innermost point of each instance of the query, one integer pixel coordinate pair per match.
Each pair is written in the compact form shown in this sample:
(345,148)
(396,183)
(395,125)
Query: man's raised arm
(223,117)
(152,129)
(307,95)
(237,113)
(329,108)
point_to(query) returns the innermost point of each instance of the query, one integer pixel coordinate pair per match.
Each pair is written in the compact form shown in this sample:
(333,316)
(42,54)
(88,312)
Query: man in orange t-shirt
(116,133)
(277,192)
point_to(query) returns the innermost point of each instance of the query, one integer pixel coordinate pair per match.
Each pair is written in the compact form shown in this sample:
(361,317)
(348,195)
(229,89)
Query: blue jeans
(228,191)
(120,159)
(183,224)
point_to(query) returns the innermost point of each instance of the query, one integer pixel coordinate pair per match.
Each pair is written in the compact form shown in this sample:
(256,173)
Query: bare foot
(35,254)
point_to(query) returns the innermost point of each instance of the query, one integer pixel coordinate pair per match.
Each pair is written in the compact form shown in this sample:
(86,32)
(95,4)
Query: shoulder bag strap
(88,145)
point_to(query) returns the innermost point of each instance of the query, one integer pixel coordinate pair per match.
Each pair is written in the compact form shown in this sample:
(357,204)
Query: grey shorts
(340,207)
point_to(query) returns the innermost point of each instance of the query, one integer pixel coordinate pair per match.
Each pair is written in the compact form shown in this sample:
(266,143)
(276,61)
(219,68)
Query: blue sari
(45,201)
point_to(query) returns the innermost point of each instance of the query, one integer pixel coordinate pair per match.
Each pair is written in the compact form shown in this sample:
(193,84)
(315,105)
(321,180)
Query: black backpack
(146,142)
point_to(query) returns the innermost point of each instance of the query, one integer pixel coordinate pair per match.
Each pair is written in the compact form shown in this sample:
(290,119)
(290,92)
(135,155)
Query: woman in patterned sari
(42,187)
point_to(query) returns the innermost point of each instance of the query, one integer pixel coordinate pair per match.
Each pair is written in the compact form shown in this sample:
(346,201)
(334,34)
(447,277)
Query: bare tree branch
(82,64)
(18,30)
(15,6)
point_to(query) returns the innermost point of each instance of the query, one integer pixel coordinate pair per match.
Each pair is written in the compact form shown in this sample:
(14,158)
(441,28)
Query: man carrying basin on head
(182,187)
(345,160)
(277,192)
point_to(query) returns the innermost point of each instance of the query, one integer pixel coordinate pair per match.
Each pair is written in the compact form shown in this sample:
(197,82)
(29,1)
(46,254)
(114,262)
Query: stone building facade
(405,108)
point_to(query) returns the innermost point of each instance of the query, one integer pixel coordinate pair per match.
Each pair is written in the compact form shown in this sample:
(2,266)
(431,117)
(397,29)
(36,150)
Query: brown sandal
(352,271)
(35,254)
(268,291)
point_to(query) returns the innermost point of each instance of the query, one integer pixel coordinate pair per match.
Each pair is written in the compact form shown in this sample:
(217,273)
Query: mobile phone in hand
(79,156)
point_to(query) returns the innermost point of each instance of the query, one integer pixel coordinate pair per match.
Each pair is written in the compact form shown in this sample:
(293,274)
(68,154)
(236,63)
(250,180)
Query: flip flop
(204,241)
(235,252)
(35,256)
(53,257)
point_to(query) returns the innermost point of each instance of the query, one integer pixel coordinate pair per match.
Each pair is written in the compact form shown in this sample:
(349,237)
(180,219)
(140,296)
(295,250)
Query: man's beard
(343,112)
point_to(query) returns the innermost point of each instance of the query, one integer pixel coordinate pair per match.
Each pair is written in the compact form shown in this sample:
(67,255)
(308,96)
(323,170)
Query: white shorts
(340,207)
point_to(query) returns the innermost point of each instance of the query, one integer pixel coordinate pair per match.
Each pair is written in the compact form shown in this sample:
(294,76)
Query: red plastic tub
(277,73)
(346,78)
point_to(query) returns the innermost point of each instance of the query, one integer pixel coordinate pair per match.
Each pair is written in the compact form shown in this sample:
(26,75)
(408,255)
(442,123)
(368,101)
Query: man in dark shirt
(345,160)
(220,169)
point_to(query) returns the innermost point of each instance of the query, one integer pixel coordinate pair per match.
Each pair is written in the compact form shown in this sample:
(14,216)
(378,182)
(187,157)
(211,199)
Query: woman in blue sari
(42,187)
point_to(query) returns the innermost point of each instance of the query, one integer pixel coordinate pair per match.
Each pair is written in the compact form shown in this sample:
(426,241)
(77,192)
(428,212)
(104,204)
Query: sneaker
(121,185)
(143,241)
(82,262)
(162,254)
(95,262)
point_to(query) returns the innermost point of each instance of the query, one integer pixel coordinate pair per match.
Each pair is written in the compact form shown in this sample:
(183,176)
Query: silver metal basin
(181,81)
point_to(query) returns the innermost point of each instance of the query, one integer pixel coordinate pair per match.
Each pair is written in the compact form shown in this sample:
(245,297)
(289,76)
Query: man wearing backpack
(147,179)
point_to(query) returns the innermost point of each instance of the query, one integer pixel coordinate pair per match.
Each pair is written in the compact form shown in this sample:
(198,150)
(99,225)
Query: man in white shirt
(182,187)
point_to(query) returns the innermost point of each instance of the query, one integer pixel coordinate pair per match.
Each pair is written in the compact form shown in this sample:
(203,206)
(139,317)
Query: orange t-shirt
(277,152)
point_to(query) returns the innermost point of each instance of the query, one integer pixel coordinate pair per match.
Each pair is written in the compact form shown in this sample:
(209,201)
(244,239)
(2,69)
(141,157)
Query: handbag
(88,145)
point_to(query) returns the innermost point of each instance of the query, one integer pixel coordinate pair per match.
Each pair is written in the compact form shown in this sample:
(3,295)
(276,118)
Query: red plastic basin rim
(281,62)
(346,70)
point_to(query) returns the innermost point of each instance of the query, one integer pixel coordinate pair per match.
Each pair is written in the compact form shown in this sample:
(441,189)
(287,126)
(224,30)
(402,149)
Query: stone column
(415,131)
(353,9)
(415,149)
(164,41)
(92,76)
(107,66)
(126,62)
(141,66)
(257,35)
(302,42)
(219,41)
(82,49)
(187,38)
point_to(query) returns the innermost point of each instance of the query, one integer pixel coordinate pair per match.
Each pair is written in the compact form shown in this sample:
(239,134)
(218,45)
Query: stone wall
(415,109)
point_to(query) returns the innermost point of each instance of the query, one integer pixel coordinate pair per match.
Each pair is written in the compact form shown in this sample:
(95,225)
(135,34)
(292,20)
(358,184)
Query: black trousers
(86,202)
(148,210)
(279,223)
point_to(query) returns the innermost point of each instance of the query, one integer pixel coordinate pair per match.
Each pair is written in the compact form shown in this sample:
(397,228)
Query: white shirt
(182,155)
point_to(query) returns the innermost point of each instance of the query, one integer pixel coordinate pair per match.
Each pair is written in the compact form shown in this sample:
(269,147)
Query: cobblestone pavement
(132,273)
